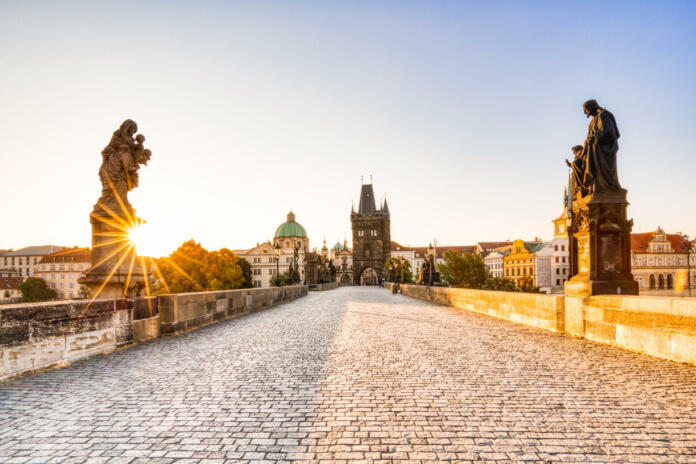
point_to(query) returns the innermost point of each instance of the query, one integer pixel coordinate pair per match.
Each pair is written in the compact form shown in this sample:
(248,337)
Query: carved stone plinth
(115,270)
(600,246)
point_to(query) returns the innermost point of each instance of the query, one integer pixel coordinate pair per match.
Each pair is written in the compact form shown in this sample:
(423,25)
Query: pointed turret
(367,200)
(385,206)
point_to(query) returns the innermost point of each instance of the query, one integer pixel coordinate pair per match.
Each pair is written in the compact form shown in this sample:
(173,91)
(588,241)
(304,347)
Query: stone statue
(599,151)
(115,272)
(118,173)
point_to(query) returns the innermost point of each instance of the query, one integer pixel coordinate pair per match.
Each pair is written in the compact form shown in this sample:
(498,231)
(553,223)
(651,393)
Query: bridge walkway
(355,374)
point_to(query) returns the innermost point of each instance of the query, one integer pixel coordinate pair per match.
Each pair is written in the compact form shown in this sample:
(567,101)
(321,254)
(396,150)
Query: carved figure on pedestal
(599,150)
(118,173)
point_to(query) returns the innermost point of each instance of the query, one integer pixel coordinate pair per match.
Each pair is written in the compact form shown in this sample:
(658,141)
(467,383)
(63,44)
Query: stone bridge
(355,374)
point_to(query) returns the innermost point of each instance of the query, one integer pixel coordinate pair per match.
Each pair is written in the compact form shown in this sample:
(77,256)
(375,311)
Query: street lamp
(277,251)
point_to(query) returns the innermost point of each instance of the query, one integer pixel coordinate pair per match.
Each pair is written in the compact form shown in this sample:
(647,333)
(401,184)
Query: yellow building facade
(519,265)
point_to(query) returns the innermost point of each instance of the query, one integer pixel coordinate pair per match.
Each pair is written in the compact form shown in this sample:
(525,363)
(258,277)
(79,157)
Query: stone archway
(346,280)
(368,276)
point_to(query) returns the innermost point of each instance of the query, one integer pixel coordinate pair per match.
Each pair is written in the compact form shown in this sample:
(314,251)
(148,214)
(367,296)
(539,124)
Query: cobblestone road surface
(355,374)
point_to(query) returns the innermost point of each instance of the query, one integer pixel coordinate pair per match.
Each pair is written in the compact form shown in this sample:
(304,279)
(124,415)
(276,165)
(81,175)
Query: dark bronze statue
(577,167)
(599,151)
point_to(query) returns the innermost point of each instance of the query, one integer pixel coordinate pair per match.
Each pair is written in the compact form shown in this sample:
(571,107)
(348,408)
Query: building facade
(61,271)
(25,260)
(560,259)
(371,229)
(416,255)
(342,260)
(267,258)
(494,261)
(521,263)
(664,263)
(9,289)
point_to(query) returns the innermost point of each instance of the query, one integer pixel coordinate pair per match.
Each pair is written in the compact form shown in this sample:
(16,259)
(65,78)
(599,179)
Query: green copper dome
(290,228)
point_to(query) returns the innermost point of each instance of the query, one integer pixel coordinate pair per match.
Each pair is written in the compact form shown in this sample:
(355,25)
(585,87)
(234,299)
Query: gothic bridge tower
(371,238)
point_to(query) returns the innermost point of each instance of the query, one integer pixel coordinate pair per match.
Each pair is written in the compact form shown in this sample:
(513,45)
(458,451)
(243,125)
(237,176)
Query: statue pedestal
(600,246)
(115,270)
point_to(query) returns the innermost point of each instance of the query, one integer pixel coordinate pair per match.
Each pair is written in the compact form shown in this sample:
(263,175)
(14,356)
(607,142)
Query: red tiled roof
(441,249)
(71,255)
(640,243)
(9,283)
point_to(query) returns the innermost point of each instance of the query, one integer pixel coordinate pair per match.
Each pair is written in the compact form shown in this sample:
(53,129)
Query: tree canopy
(394,267)
(192,268)
(470,271)
(35,289)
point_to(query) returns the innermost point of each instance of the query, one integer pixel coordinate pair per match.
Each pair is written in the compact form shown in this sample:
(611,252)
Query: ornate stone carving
(118,173)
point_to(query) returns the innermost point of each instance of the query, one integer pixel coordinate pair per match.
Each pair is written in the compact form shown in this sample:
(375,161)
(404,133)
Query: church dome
(290,228)
(337,247)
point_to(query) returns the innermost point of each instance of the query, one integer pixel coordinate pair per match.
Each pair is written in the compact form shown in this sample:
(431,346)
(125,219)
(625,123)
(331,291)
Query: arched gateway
(369,276)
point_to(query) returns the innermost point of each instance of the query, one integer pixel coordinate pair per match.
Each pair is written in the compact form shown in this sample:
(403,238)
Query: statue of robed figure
(599,231)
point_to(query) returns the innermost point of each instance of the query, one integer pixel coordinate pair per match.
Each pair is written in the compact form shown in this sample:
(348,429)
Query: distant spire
(385,206)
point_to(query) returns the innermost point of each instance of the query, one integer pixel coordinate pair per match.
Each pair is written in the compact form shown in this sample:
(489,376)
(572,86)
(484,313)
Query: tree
(192,268)
(35,289)
(394,267)
(246,273)
(7,293)
(527,285)
(501,283)
(465,271)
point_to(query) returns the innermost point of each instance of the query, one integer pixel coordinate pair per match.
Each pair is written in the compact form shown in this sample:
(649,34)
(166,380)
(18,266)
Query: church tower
(371,238)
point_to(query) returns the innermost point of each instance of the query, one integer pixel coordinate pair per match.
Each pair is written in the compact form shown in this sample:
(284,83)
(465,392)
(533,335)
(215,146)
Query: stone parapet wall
(322,287)
(186,311)
(659,326)
(36,336)
(534,309)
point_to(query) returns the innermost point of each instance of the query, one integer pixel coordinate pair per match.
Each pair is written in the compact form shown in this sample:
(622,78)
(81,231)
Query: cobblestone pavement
(355,374)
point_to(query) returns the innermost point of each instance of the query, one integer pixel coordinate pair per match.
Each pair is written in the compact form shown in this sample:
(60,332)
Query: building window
(563,259)
(556,258)
(555,248)
(652,281)
(670,281)
(257,271)
(661,282)
(558,271)
(558,282)
(562,247)
(531,271)
(361,233)
(564,271)
(257,260)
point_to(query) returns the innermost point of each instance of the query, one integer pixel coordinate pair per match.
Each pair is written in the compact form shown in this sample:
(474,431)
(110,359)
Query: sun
(148,241)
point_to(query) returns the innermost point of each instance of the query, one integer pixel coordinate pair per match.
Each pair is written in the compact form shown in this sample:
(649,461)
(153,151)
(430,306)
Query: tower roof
(367,200)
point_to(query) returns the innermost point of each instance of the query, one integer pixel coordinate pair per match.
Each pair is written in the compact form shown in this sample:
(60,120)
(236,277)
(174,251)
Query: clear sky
(462,111)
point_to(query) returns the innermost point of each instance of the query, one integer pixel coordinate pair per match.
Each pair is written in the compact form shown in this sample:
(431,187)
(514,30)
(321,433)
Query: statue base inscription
(600,246)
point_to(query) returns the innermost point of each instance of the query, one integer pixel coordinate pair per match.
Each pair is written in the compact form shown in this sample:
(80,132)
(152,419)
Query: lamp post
(401,263)
(277,250)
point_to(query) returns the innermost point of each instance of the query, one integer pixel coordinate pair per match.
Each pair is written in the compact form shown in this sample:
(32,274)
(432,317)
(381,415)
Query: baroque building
(342,260)
(22,263)
(61,271)
(371,238)
(663,263)
(268,258)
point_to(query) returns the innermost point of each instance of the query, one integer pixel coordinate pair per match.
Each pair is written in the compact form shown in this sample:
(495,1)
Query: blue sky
(462,111)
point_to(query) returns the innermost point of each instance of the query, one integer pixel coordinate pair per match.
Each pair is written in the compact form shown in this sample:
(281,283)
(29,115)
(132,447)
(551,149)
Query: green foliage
(35,289)
(7,293)
(192,268)
(394,268)
(500,283)
(464,271)
(527,286)
(246,272)
(469,271)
